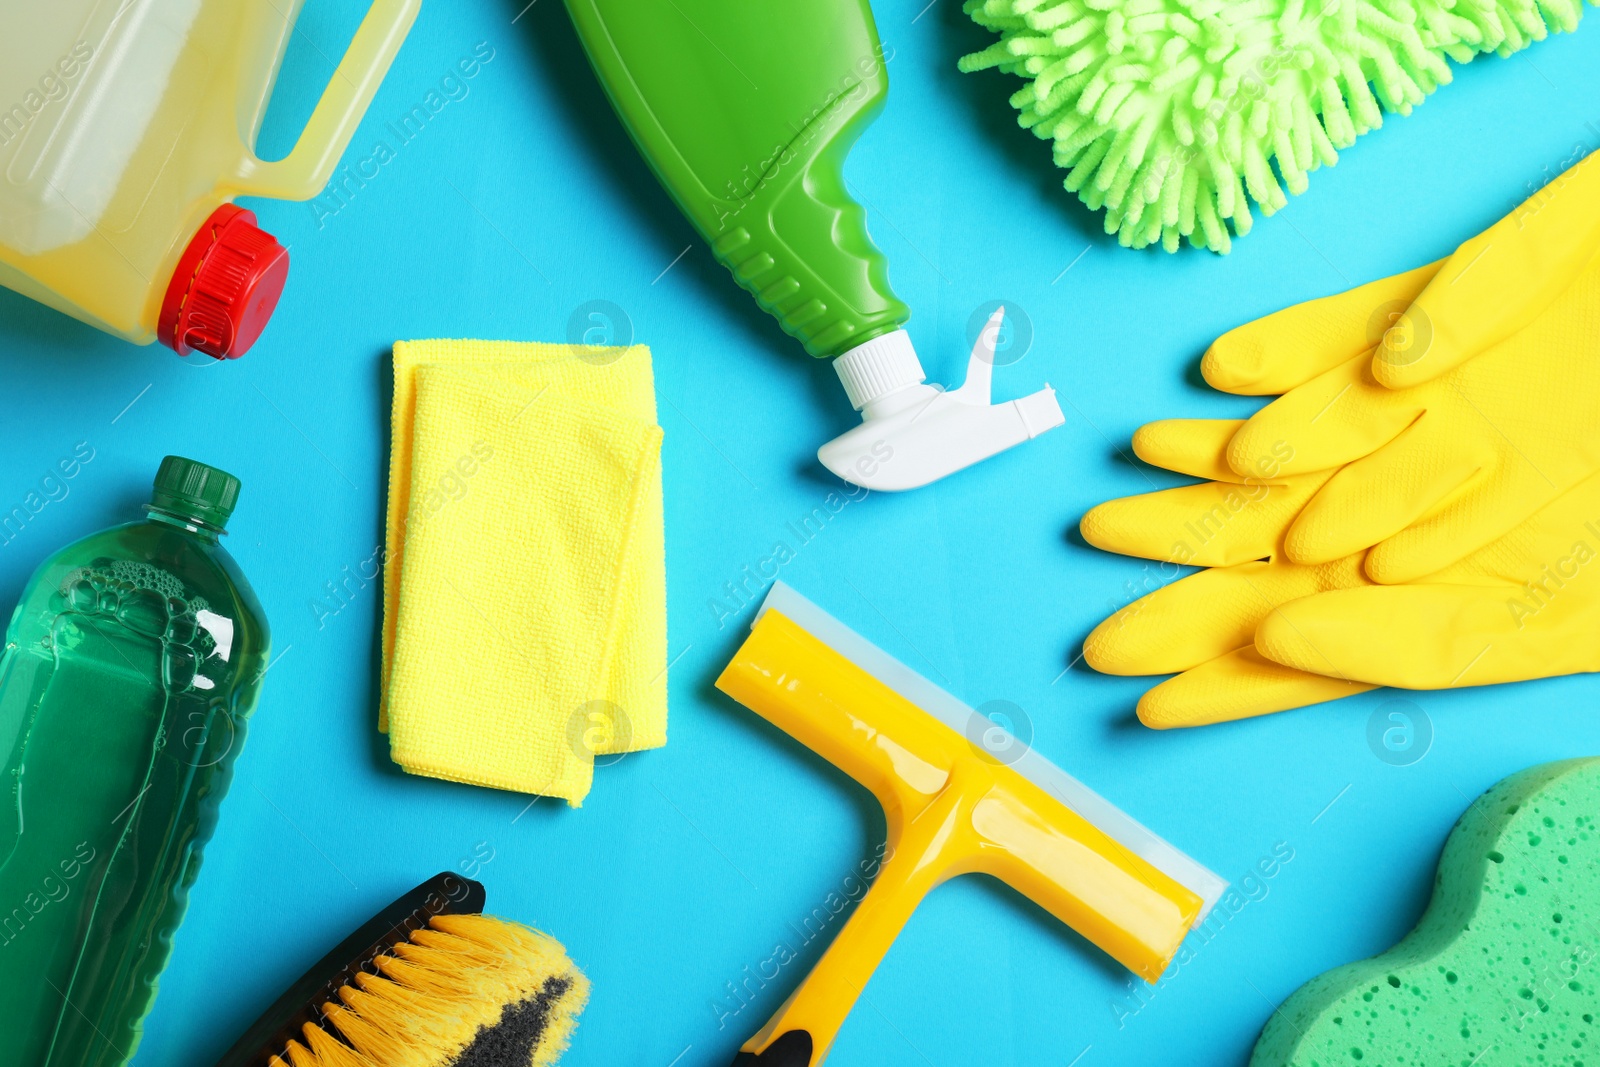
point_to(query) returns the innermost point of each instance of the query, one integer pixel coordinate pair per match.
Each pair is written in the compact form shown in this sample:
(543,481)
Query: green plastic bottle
(131,665)
(745,110)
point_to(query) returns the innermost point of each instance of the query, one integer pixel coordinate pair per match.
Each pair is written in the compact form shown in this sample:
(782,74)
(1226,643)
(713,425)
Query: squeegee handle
(922,852)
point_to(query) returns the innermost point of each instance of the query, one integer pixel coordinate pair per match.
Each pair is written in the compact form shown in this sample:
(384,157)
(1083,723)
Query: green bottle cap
(196,491)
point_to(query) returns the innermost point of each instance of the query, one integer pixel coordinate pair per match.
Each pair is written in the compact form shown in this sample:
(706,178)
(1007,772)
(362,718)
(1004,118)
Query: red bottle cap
(225,288)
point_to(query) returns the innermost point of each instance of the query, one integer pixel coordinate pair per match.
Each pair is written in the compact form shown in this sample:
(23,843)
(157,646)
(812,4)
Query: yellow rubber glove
(1204,626)
(1458,398)
(1526,606)
(1268,635)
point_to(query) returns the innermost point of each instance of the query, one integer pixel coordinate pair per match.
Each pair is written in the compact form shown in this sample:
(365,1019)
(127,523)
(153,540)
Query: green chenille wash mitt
(1170,114)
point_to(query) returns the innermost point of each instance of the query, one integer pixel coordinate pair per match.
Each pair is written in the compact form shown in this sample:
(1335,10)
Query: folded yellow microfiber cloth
(524,623)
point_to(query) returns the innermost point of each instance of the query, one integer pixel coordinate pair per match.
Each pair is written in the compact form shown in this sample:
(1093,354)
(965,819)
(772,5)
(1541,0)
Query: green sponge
(1173,115)
(1504,967)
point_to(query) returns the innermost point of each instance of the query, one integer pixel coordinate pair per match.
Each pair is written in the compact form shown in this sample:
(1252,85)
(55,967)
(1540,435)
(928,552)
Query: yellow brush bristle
(450,994)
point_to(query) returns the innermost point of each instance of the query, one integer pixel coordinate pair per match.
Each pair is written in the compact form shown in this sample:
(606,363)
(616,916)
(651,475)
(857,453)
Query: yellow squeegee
(952,808)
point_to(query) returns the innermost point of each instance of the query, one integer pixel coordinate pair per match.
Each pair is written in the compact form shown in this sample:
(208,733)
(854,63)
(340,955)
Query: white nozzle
(912,434)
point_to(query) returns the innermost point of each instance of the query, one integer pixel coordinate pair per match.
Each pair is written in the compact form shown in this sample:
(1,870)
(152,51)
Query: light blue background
(687,865)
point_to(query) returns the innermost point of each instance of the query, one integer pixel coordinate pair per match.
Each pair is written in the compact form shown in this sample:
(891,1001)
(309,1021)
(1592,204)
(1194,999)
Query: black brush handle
(301,1003)
(792,1049)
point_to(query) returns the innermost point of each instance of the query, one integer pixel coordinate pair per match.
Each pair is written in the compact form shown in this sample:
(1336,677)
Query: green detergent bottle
(746,111)
(130,667)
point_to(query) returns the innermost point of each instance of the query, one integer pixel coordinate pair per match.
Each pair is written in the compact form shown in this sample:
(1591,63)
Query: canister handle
(304,172)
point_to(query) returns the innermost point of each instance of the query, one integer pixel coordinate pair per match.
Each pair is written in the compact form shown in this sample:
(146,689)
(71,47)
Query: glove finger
(1382,494)
(1461,527)
(1335,419)
(1237,685)
(1432,636)
(1212,524)
(1289,348)
(1205,615)
(1498,282)
(1179,626)
(1542,554)
(1196,447)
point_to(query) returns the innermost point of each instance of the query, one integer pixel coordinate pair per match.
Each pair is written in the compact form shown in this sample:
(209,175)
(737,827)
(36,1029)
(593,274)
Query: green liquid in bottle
(130,667)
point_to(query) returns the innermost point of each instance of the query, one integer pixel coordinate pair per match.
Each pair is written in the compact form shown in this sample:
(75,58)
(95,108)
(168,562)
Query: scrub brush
(428,982)
(1173,115)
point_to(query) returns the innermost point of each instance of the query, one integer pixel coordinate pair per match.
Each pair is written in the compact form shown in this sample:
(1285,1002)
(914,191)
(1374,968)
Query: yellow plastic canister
(126,129)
